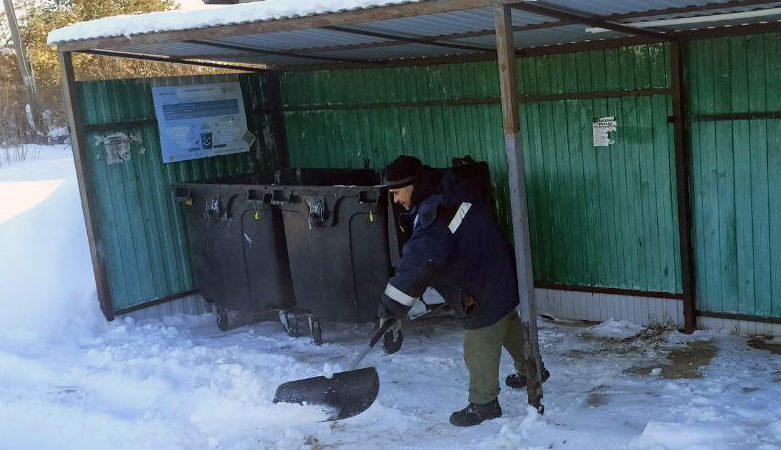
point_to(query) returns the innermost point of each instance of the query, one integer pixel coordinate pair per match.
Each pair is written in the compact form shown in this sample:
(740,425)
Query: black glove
(393,338)
(396,311)
(383,312)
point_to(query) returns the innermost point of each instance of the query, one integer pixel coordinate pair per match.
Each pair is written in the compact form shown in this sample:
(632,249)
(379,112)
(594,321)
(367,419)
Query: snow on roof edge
(163,21)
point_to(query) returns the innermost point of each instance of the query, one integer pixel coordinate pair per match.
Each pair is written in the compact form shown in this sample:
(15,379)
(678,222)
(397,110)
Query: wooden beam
(594,94)
(682,178)
(587,19)
(407,62)
(609,291)
(315,21)
(520,219)
(690,8)
(576,47)
(86,189)
(744,317)
(736,30)
(489,100)
(505,50)
(159,301)
(761,115)
(408,40)
(390,105)
(260,51)
(171,60)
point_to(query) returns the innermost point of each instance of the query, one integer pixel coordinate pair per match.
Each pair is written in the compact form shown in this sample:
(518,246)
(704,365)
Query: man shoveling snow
(457,247)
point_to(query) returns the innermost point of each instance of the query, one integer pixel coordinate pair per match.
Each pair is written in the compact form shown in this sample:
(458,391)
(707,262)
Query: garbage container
(337,242)
(318,240)
(237,245)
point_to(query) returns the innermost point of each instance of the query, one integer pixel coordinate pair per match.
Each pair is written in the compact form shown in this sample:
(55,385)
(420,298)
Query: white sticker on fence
(200,120)
(602,128)
(117,148)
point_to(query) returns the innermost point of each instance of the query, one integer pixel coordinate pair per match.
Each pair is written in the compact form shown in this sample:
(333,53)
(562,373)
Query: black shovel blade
(344,395)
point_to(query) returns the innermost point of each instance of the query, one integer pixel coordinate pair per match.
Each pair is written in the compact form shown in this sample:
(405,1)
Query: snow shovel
(345,394)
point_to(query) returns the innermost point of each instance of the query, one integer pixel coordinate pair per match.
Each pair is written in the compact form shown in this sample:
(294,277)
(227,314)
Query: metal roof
(380,34)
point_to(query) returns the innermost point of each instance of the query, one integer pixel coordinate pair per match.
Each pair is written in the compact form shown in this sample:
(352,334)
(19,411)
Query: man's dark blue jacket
(458,248)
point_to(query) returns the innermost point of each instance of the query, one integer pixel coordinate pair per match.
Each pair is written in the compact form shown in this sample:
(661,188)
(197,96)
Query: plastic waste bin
(237,245)
(336,230)
(319,241)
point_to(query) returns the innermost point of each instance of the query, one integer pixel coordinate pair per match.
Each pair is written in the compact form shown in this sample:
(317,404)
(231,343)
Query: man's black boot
(475,414)
(518,381)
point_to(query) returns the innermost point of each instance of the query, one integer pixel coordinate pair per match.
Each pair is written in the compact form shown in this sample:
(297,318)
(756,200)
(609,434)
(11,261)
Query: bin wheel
(316,330)
(289,322)
(294,329)
(223,322)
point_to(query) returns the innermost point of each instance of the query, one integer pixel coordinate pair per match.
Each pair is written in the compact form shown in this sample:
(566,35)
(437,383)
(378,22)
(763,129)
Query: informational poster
(201,120)
(602,129)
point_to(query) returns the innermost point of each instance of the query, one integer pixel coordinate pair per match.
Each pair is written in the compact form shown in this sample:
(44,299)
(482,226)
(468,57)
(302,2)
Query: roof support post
(513,146)
(78,143)
(682,178)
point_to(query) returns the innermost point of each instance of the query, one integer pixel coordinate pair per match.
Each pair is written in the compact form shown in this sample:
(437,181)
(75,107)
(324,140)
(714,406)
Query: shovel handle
(377,335)
(381,331)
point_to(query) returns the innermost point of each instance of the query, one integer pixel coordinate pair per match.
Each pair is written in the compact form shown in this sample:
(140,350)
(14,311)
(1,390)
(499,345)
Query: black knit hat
(402,171)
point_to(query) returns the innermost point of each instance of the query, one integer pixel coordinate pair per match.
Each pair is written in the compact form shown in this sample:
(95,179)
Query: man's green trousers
(483,350)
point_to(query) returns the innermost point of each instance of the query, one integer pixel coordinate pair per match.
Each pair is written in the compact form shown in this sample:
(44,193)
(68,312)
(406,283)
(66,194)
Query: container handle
(213,208)
(366,197)
(279,197)
(318,213)
(183,194)
(255,194)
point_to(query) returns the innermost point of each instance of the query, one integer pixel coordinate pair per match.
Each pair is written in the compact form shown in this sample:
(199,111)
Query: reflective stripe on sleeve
(398,296)
(459,217)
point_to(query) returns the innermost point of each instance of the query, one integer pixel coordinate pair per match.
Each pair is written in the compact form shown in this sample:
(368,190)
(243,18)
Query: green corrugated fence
(736,173)
(599,216)
(142,234)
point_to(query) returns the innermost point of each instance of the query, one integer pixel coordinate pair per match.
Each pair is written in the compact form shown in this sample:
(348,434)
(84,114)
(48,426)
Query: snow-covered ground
(69,380)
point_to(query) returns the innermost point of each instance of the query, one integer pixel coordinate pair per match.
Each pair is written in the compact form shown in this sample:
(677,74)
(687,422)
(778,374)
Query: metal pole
(520,219)
(682,171)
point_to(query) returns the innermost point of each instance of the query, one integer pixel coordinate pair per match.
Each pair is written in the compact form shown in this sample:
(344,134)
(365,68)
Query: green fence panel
(357,118)
(603,217)
(142,237)
(736,173)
